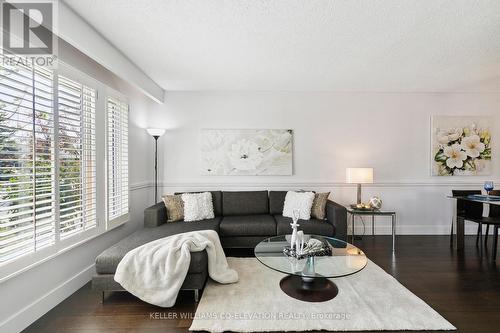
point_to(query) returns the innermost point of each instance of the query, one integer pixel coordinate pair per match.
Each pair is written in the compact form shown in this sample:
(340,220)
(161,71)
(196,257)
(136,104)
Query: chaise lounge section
(242,220)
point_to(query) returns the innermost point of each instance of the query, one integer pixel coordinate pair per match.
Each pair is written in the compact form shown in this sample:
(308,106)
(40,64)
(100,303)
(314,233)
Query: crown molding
(83,36)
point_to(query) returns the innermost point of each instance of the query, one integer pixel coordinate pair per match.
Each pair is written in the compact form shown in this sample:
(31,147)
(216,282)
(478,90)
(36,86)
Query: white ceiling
(305,45)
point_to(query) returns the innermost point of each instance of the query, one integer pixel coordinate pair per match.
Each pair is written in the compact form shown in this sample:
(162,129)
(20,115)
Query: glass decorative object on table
(488,187)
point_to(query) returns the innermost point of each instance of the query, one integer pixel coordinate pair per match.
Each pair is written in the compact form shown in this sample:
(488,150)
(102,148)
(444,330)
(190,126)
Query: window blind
(117,156)
(27,164)
(77,167)
(48,170)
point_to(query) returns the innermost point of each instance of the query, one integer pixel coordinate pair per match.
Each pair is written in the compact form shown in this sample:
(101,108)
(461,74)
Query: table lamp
(359,176)
(156,133)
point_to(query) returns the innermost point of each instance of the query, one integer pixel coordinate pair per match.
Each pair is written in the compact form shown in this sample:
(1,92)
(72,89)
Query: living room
(265,109)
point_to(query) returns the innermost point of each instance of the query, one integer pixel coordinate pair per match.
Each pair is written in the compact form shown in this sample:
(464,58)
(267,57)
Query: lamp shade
(359,175)
(156,131)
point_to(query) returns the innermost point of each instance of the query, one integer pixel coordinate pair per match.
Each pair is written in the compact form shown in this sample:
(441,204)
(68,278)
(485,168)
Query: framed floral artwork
(461,145)
(246,152)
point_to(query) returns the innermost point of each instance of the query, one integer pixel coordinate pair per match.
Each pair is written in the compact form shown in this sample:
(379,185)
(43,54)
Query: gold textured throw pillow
(318,209)
(175,207)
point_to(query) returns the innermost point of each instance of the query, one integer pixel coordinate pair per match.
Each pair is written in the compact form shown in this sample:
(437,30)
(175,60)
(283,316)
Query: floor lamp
(156,133)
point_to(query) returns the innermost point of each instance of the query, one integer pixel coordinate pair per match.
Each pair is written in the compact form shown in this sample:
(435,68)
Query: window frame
(22,263)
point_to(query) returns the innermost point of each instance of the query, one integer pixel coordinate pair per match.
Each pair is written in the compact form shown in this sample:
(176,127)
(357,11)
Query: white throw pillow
(198,206)
(298,200)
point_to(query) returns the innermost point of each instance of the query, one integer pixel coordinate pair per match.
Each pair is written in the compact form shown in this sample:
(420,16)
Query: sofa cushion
(174,206)
(298,202)
(318,209)
(198,206)
(276,202)
(216,200)
(245,203)
(248,225)
(108,260)
(311,227)
(242,242)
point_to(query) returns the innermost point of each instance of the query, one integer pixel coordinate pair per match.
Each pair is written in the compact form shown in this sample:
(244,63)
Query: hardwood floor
(462,288)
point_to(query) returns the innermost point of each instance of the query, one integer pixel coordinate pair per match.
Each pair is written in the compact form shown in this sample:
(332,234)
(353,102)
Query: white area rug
(370,300)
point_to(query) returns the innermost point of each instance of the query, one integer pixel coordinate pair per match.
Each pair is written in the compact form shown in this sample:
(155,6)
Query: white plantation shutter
(27,163)
(77,165)
(117,157)
(52,190)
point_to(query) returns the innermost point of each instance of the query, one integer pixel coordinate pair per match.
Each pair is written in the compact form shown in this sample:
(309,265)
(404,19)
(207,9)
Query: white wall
(332,131)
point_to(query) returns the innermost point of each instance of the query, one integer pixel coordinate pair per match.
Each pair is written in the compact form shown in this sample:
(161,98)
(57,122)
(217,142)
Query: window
(77,165)
(117,126)
(53,191)
(26,160)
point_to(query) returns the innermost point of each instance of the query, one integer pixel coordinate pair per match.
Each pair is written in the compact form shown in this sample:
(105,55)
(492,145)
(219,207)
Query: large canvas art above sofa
(246,152)
(461,146)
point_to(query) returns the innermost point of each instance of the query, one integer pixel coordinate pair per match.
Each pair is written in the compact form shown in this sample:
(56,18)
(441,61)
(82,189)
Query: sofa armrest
(337,215)
(155,215)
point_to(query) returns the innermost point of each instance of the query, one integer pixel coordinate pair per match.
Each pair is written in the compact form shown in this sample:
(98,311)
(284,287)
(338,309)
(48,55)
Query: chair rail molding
(304,184)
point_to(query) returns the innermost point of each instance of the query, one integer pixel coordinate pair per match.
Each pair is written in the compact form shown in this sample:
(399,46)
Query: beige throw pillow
(175,207)
(318,209)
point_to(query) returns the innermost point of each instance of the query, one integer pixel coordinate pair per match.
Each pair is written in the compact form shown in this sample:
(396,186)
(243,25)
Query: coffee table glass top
(346,258)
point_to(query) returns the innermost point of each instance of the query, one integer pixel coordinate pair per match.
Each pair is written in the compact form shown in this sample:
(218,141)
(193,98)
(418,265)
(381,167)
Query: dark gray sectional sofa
(242,219)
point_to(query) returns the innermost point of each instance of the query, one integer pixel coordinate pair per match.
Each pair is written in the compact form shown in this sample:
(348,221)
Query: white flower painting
(246,152)
(461,146)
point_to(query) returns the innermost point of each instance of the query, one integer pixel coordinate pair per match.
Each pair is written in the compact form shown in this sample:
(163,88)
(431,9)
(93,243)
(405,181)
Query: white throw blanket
(155,271)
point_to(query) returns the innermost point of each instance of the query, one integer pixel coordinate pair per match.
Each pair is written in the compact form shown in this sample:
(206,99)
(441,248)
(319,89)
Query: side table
(375,212)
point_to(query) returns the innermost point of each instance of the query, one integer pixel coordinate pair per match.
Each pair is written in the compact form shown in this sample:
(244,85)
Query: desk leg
(373,225)
(481,240)
(486,235)
(352,228)
(458,230)
(452,231)
(458,242)
(393,232)
(495,243)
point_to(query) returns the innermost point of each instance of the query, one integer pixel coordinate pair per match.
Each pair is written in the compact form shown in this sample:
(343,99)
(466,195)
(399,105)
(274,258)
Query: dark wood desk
(459,224)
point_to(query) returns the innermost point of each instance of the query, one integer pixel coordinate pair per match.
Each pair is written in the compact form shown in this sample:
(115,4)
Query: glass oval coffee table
(308,278)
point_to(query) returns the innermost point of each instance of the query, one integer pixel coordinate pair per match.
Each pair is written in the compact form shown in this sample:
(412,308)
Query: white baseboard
(29,314)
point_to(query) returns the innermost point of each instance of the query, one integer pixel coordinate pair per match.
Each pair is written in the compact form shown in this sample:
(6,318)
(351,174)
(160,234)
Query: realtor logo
(28,28)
